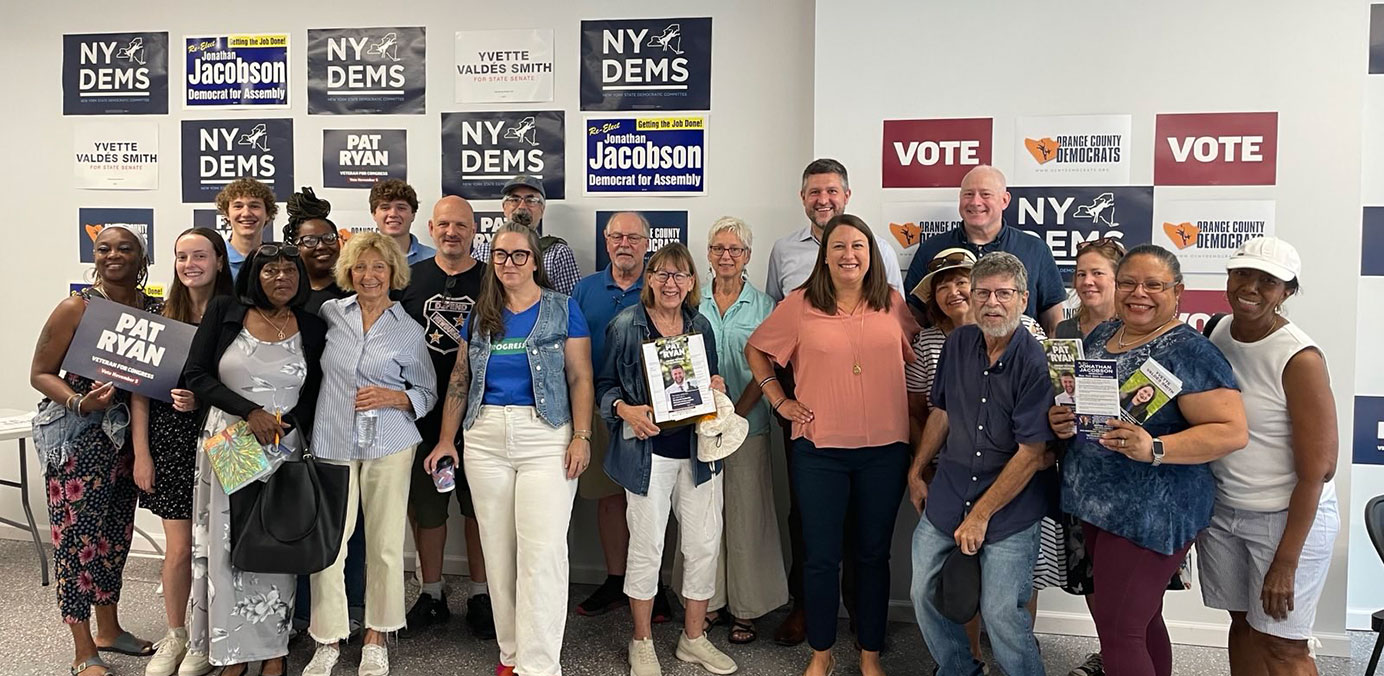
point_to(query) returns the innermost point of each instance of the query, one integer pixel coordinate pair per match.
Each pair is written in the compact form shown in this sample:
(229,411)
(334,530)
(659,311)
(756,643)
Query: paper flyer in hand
(1097,396)
(1146,391)
(1063,354)
(237,457)
(679,378)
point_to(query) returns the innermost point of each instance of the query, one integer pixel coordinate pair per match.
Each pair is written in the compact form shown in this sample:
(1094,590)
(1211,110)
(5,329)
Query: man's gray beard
(1001,331)
(522,217)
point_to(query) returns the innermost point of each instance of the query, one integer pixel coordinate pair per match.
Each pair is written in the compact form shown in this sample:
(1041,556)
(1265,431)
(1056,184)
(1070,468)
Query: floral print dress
(239,616)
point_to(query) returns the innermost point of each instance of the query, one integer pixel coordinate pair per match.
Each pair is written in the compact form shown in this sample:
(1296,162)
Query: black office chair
(1374,525)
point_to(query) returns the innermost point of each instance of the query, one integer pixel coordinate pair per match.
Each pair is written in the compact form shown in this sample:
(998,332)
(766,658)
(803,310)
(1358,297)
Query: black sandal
(742,632)
(713,620)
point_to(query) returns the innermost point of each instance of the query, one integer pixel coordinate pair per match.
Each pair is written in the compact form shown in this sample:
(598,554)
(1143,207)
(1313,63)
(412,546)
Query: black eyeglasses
(275,249)
(1112,242)
(518,256)
(949,260)
(529,200)
(311,241)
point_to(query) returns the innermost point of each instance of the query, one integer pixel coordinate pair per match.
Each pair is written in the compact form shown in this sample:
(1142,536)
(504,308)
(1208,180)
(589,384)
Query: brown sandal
(742,632)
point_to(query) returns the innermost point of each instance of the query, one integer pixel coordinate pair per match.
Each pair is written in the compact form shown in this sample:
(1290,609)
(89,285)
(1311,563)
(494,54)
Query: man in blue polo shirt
(984,197)
(601,296)
(990,401)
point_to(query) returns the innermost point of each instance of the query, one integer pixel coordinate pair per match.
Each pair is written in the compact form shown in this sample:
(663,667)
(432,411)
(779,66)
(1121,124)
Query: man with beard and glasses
(524,203)
(441,292)
(994,481)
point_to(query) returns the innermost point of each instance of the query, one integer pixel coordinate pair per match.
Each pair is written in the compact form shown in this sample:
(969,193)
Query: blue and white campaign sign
(115,74)
(1369,430)
(360,158)
(237,71)
(487,222)
(91,221)
(665,227)
(211,218)
(482,151)
(1372,242)
(1066,216)
(366,70)
(646,64)
(646,155)
(216,152)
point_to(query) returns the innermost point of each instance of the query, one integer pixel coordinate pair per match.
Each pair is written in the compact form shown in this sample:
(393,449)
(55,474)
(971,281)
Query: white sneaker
(374,660)
(168,654)
(701,652)
(643,658)
(323,660)
(194,664)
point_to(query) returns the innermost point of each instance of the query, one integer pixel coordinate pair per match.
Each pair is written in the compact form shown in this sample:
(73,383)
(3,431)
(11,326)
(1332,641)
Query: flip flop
(742,632)
(93,661)
(127,644)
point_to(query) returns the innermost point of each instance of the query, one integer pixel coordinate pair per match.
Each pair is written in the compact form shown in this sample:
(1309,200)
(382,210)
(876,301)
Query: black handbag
(292,523)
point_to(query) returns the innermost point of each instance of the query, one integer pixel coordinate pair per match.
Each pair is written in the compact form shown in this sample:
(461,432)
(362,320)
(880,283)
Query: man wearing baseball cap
(524,203)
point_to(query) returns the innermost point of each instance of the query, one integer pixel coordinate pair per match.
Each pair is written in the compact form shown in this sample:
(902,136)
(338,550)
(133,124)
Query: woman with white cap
(1265,556)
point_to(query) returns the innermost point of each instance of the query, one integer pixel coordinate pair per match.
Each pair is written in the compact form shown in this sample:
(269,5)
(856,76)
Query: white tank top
(1260,477)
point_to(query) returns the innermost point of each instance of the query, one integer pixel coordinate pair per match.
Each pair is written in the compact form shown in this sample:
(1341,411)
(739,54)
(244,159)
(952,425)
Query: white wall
(759,140)
(988,58)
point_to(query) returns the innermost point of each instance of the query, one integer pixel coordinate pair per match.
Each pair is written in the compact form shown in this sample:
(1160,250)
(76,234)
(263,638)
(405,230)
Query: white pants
(523,500)
(699,523)
(380,488)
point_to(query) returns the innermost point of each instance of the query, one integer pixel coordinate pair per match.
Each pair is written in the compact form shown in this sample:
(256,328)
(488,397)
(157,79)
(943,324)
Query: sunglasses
(1110,242)
(275,249)
(949,260)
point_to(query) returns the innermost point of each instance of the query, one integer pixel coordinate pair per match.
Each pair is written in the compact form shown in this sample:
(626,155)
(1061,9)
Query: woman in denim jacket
(525,378)
(659,468)
(83,437)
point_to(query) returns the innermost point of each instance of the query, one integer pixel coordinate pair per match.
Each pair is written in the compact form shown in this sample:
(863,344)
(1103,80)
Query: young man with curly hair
(249,207)
(394,205)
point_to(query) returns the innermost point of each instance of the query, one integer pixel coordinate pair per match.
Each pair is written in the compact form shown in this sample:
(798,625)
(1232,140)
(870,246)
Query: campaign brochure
(1097,396)
(1063,354)
(1146,391)
(679,378)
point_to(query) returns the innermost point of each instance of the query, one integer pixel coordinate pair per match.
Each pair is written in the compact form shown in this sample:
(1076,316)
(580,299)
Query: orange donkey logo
(1183,235)
(1043,149)
(907,234)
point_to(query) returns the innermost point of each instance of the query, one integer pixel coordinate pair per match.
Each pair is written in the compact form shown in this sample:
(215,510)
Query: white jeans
(699,523)
(523,501)
(380,487)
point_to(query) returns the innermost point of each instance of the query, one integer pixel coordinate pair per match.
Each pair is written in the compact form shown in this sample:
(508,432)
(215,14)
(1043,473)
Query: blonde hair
(385,246)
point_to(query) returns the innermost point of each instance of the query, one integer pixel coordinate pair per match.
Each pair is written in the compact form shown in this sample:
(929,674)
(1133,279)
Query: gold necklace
(278,329)
(855,342)
(1151,334)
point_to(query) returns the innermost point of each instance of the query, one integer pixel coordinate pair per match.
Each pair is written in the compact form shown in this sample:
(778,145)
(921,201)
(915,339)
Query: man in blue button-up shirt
(990,401)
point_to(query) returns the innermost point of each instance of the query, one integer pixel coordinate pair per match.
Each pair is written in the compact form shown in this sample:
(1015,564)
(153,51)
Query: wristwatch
(1157,451)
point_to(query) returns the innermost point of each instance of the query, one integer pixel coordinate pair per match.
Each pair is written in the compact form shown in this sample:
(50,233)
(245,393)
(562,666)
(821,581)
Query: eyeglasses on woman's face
(517,257)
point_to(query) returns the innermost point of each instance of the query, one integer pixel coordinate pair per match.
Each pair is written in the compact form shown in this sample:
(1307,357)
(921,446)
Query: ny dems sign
(483,151)
(366,70)
(216,152)
(115,74)
(646,64)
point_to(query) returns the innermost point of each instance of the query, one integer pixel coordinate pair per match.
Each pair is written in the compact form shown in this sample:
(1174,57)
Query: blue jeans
(355,579)
(1006,583)
(830,483)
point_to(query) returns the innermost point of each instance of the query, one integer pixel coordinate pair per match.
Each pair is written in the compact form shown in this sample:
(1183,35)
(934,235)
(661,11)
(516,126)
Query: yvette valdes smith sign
(92,220)
(216,152)
(482,151)
(359,158)
(138,351)
(116,155)
(1066,216)
(115,74)
(641,155)
(366,70)
(646,64)
(665,227)
(505,66)
(236,71)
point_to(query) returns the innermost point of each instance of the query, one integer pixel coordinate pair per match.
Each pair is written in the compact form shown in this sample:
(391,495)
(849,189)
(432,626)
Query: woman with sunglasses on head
(658,467)
(316,238)
(254,358)
(167,434)
(524,381)
(1143,493)
(91,491)
(377,381)
(1266,555)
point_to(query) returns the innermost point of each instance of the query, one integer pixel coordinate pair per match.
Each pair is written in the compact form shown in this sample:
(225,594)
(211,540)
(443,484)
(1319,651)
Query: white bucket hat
(723,434)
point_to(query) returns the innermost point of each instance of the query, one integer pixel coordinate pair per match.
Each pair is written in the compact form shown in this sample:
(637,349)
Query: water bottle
(366,422)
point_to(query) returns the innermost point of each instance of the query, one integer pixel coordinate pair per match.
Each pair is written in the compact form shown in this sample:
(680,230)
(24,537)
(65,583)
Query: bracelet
(766,381)
(77,407)
(68,404)
(780,403)
(584,435)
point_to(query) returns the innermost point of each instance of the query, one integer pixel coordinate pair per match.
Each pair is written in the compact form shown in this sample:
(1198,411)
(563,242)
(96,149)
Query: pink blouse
(849,410)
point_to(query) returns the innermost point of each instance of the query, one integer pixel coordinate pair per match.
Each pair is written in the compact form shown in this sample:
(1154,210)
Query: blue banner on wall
(646,64)
(1369,430)
(115,74)
(644,155)
(91,221)
(237,71)
(360,158)
(483,151)
(216,152)
(366,70)
(1066,216)
(664,227)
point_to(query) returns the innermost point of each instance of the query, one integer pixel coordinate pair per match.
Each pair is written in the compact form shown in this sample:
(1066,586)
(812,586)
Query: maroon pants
(1127,604)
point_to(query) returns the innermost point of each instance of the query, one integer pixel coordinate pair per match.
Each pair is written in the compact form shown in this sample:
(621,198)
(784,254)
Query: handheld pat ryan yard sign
(679,379)
(139,351)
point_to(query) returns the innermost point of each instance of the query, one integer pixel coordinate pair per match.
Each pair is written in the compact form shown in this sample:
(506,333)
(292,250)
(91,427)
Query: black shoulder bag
(292,523)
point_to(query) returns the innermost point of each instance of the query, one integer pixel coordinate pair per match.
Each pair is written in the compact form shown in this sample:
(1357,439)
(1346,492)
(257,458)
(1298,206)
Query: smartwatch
(1157,451)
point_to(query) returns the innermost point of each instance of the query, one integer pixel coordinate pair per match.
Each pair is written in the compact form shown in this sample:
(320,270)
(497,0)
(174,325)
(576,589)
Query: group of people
(397,361)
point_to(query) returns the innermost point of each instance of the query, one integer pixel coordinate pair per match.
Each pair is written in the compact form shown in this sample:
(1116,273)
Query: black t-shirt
(440,303)
(317,297)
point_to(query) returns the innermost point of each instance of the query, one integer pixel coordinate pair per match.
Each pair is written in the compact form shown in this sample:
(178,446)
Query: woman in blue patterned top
(1143,493)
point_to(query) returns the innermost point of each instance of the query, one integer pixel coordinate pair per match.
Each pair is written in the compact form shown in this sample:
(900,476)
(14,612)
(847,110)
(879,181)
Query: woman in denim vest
(525,378)
(658,468)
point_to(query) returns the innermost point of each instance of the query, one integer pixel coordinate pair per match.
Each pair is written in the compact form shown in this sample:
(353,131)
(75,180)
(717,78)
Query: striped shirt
(392,355)
(918,376)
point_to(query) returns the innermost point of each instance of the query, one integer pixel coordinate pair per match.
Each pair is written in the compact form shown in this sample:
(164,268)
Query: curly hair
(246,187)
(385,246)
(391,189)
(302,207)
